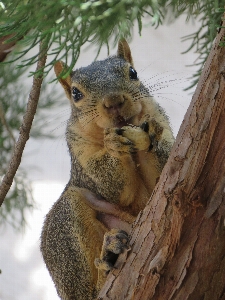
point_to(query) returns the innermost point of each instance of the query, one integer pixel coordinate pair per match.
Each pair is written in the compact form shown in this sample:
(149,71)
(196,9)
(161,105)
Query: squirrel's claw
(115,242)
(145,126)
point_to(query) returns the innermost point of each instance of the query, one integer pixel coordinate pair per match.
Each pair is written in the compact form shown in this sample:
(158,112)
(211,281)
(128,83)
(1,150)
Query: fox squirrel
(119,139)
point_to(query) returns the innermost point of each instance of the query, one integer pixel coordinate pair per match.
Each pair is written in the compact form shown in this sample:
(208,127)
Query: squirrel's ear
(124,51)
(59,67)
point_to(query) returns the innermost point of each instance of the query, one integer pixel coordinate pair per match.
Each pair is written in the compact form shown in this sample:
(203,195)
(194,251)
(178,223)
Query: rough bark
(25,127)
(178,241)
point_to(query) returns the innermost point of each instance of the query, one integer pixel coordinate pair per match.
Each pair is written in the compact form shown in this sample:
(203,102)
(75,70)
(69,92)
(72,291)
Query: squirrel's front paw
(117,143)
(115,242)
(154,130)
(137,135)
(128,139)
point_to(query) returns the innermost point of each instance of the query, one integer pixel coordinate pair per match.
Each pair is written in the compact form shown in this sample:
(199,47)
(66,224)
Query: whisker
(59,126)
(60,114)
(90,120)
(172,100)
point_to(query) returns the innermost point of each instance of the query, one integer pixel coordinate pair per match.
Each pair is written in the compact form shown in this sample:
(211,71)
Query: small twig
(4,123)
(25,126)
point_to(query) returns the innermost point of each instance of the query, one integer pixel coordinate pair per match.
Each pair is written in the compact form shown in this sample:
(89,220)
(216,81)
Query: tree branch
(25,126)
(177,242)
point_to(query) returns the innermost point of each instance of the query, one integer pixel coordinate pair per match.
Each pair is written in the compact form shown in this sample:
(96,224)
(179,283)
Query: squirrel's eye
(76,94)
(133,74)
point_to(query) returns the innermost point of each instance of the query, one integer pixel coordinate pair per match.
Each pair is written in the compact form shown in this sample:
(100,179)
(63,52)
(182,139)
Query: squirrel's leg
(118,223)
(70,243)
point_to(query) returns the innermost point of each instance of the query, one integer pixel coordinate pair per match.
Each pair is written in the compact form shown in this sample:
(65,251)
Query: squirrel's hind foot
(115,242)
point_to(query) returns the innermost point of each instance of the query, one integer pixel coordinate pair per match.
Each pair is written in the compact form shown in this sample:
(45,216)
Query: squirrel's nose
(113,102)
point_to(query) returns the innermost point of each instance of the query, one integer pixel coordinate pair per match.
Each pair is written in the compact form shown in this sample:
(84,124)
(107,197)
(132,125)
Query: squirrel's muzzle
(112,103)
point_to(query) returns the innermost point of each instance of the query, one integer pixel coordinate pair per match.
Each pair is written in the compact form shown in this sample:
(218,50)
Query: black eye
(133,74)
(76,94)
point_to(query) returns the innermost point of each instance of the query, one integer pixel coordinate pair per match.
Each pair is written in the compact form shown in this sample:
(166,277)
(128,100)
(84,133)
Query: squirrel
(119,140)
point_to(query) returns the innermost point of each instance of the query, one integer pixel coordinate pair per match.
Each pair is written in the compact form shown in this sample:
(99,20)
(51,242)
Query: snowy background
(158,61)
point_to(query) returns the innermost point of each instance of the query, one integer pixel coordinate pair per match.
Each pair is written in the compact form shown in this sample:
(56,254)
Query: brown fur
(113,173)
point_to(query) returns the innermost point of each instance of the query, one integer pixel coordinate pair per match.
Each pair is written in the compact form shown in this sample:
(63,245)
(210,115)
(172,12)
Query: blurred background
(162,67)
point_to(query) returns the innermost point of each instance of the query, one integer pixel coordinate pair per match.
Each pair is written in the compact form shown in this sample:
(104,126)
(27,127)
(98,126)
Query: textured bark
(25,126)
(178,241)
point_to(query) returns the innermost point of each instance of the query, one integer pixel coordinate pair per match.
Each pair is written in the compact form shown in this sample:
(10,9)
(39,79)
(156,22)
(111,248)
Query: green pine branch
(70,24)
(201,41)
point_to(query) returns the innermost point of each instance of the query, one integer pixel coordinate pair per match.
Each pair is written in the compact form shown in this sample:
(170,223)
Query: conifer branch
(72,23)
(26,124)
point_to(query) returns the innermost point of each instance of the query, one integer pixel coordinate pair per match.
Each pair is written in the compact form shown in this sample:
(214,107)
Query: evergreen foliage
(209,15)
(68,24)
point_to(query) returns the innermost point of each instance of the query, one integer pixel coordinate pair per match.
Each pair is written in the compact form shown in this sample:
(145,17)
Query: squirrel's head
(106,93)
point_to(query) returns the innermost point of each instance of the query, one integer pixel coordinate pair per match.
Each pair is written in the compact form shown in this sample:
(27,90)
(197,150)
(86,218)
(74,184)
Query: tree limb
(25,126)
(177,242)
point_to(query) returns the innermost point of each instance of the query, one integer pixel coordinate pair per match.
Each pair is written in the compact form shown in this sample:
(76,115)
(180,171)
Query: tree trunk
(178,241)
